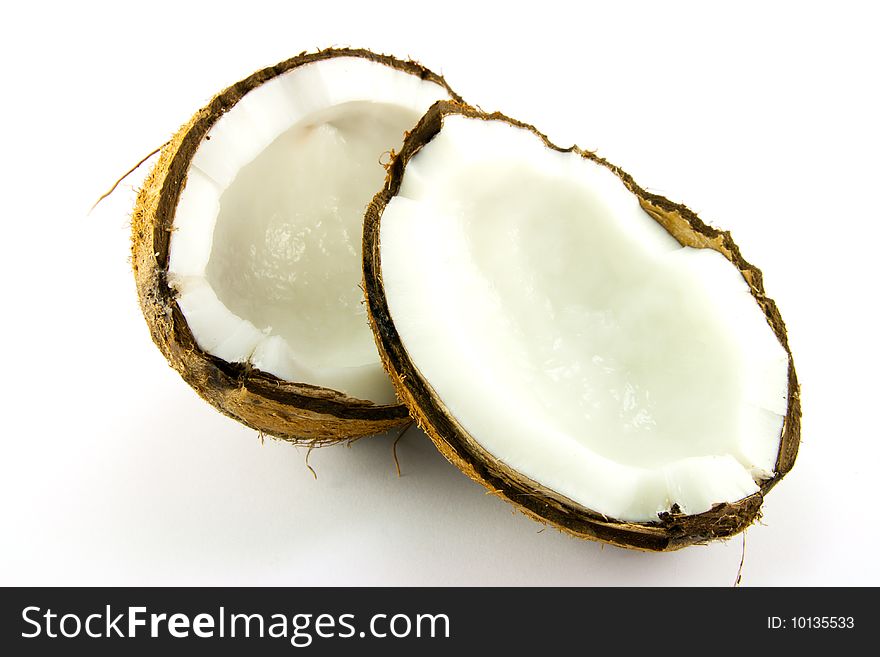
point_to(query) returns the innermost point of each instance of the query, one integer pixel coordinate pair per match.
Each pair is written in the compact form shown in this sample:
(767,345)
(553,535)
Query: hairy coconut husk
(293,411)
(673,530)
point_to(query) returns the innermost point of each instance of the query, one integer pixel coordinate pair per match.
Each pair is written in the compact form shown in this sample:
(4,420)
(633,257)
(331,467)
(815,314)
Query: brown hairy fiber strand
(672,530)
(296,412)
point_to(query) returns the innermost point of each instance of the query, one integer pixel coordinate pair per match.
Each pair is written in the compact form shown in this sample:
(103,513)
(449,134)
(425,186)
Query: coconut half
(593,353)
(247,235)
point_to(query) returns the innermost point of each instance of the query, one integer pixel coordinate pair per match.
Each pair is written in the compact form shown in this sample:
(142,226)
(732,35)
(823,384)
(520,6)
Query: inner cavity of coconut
(265,254)
(571,336)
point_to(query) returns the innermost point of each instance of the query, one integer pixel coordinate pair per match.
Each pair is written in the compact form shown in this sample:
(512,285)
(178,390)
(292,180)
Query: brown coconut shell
(673,530)
(292,411)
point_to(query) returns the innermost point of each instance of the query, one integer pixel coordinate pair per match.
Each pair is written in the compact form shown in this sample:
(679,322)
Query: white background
(763,118)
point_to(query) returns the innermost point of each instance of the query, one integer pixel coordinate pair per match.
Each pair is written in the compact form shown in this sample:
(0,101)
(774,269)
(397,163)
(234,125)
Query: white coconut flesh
(571,336)
(265,254)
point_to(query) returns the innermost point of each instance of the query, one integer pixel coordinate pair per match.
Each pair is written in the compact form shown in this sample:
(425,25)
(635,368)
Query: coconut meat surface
(570,335)
(265,254)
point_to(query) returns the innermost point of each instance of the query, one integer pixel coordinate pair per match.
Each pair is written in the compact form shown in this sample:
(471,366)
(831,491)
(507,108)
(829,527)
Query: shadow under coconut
(446,530)
(188,496)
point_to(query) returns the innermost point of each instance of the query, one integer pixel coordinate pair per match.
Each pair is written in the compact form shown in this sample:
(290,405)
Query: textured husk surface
(672,530)
(291,411)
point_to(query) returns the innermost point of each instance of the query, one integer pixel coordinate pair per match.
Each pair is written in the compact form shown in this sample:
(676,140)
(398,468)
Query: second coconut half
(246,242)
